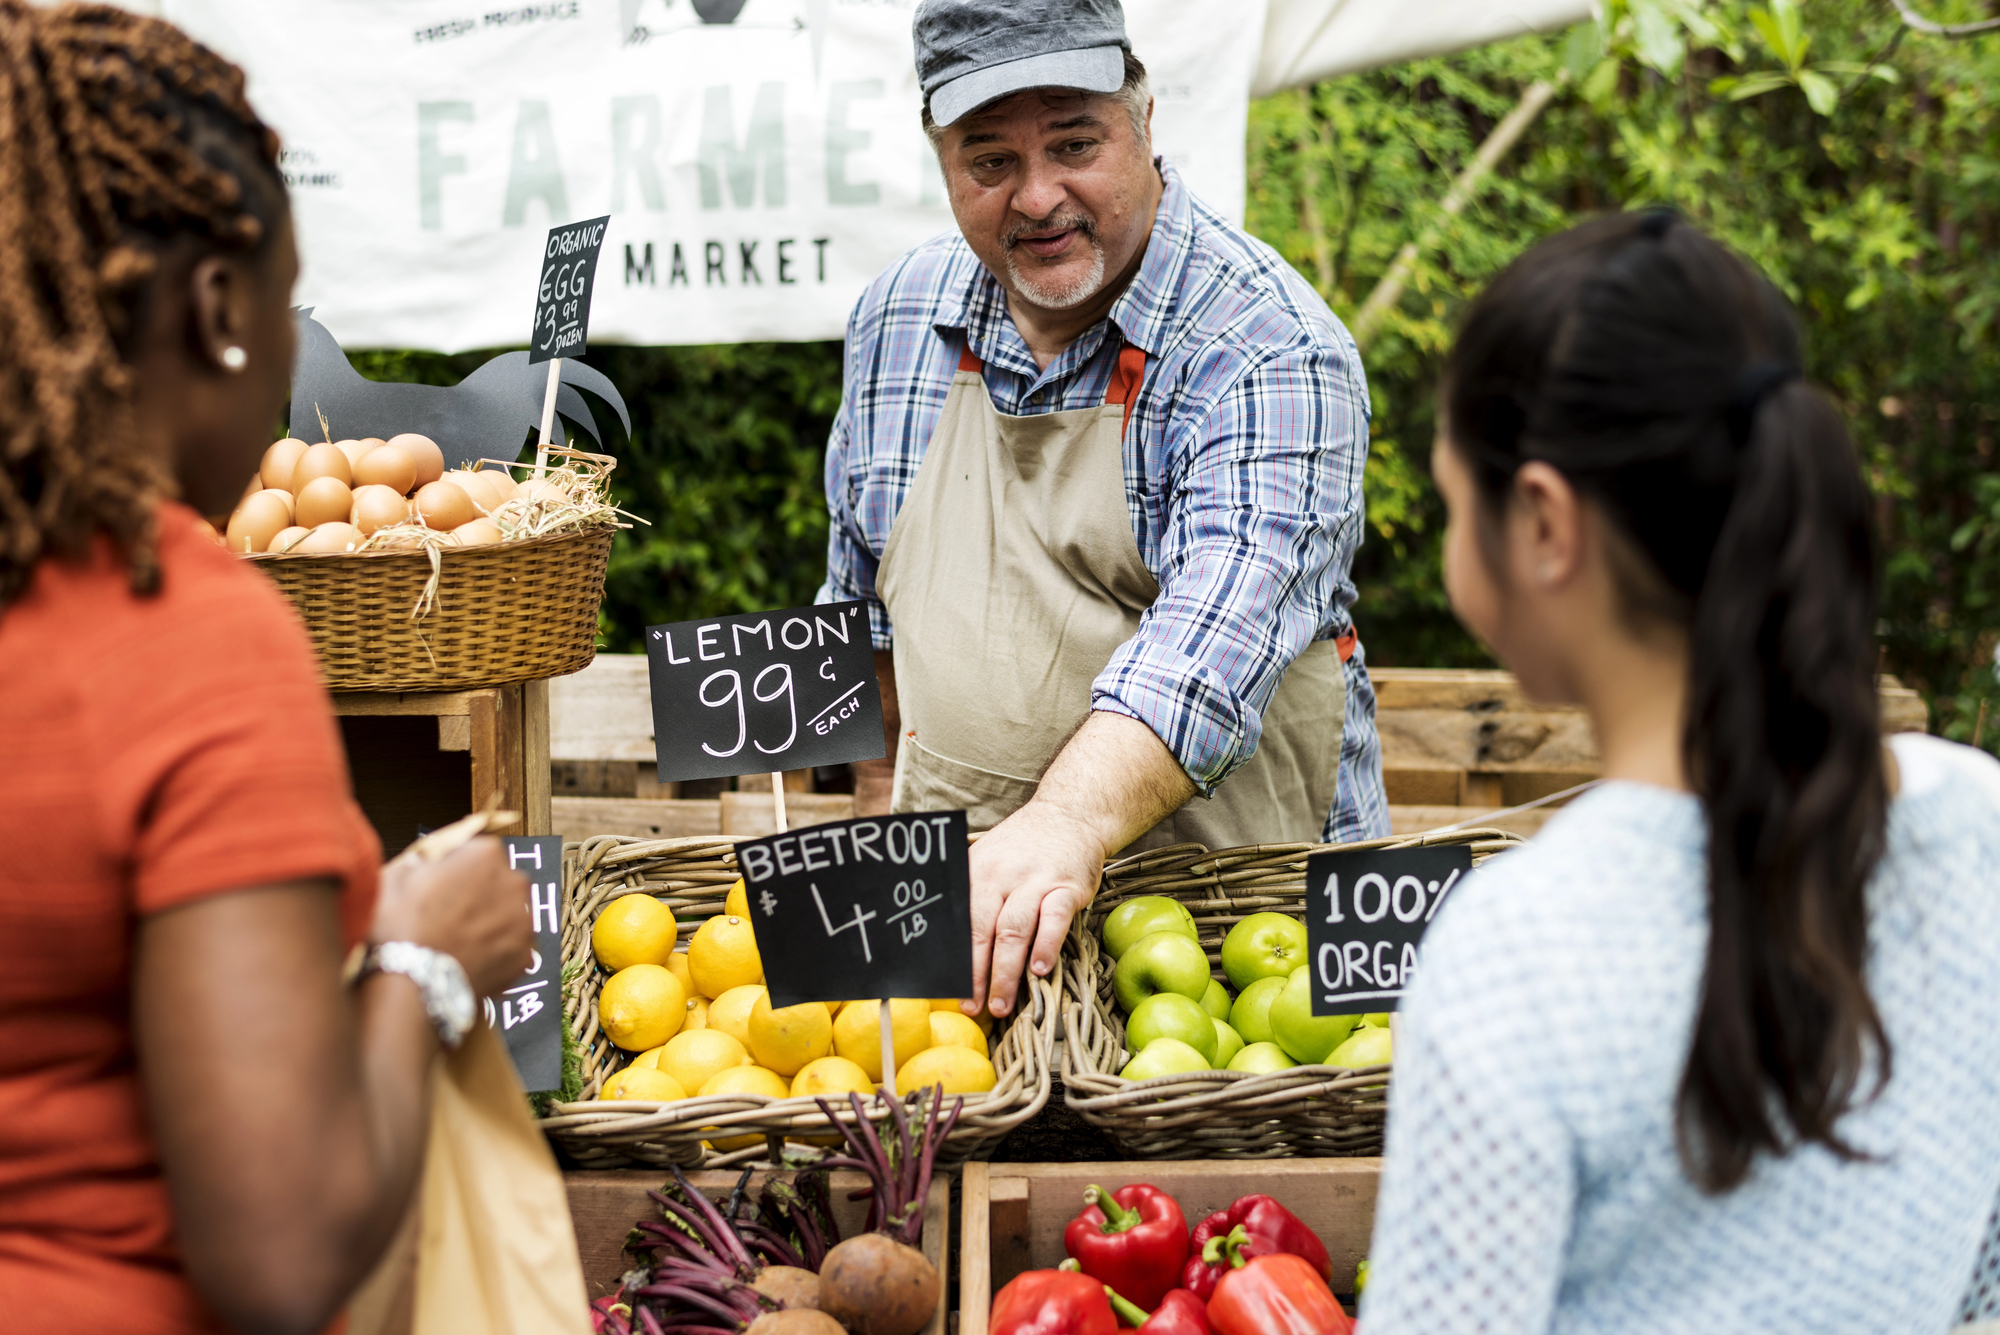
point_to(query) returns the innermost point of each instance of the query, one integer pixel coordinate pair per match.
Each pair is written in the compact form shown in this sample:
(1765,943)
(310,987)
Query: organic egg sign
(1365,916)
(876,907)
(764,691)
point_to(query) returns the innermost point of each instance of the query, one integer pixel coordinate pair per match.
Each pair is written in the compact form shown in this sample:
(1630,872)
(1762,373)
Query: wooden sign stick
(778,798)
(888,1054)
(549,418)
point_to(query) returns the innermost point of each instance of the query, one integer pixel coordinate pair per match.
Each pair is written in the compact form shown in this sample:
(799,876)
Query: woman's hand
(466,904)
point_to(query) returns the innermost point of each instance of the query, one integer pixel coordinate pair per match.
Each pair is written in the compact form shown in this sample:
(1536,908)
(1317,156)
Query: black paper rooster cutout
(487,415)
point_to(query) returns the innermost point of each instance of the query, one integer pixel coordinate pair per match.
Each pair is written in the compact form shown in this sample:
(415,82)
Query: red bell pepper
(1179,1313)
(1052,1302)
(1268,1229)
(1279,1294)
(1133,1240)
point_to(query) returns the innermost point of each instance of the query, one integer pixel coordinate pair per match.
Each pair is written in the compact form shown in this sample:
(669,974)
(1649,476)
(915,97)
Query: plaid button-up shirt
(1243,461)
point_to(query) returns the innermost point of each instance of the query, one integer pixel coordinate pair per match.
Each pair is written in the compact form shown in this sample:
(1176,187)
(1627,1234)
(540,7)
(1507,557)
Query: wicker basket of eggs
(412,577)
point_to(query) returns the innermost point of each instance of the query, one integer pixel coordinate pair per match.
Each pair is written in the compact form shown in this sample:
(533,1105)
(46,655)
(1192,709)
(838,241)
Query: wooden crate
(421,759)
(1014,1214)
(604,1205)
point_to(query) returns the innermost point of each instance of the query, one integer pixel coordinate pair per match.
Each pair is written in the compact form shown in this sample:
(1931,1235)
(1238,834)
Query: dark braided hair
(119,136)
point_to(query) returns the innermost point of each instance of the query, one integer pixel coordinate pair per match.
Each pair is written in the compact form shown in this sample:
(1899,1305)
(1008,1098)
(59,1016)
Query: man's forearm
(1116,778)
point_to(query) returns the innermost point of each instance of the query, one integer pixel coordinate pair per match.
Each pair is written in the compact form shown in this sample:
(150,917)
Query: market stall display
(1187,1023)
(1288,1241)
(684,1061)
(778,1263)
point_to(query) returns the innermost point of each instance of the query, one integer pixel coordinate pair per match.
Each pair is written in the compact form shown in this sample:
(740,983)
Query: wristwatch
(447,992)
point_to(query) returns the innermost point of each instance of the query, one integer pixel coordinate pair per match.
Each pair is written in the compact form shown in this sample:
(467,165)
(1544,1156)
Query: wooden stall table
(421,759)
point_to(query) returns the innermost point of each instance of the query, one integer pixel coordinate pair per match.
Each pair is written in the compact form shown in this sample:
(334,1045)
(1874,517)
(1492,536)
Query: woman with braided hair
(1720,1050)
(201,1128)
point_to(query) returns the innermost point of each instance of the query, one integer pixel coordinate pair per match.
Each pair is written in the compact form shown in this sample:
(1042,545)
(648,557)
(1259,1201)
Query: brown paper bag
(488,1249)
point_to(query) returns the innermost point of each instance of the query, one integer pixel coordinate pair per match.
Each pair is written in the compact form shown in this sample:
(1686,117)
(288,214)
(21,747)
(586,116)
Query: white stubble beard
(1061,297)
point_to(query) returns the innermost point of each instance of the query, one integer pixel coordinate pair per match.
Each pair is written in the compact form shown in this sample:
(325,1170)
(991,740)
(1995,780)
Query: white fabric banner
(758,172)
(761,160)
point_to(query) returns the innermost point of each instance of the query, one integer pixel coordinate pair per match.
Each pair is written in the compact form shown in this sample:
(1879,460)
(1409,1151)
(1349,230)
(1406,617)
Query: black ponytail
(1661,374)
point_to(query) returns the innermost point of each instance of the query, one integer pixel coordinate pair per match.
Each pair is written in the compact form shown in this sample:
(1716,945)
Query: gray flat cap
(971,52)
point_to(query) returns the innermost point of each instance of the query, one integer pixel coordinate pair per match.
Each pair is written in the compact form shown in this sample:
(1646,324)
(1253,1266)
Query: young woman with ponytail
(1719,1050)
(201,1127)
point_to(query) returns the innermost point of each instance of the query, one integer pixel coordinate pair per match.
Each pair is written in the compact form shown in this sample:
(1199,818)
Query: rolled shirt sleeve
(1262,517)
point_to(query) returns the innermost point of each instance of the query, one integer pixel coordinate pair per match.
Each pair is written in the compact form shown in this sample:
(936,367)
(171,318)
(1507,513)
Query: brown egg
(378,507)
(424,452)
(479,486)
(503,483)
(329,538)
(324,500)
(286,537)
(255,485)
(255,523)
(279,461)
(444,505)
(285,498)
(322,460)
(387,467)
(353,449)
(477,533)
(372,443)
(539,489)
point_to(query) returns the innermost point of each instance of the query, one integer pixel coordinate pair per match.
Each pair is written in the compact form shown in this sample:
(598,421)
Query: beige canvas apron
(1011,576)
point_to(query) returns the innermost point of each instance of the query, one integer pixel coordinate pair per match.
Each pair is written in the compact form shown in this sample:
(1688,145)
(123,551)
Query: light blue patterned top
(1532,1182)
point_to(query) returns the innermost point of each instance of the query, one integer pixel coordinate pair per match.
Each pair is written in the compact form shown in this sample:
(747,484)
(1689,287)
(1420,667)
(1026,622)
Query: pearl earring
(234,358)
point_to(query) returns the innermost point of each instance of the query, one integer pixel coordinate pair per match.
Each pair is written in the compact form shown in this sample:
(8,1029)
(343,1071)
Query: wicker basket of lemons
(684,1059)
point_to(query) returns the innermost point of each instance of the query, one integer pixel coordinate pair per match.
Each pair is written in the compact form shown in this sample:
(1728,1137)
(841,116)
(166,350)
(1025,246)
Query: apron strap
(1126,378)
(1346,644)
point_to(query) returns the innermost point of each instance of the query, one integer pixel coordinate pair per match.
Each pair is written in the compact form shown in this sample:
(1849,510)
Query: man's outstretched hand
(1037,869)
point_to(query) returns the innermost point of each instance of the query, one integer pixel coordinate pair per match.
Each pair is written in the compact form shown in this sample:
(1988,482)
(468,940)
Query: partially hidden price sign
(562,297)
(877,907)
(764,691)
(1365,916)
(528,1012)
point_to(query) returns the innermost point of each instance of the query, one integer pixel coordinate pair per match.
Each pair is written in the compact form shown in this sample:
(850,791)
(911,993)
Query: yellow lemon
(955,1029)
(730,1012)
(678,963)
(697,1013)
(633,929)
(693,1058)
(641,1007)
(650,1058)
(857,1032)
(737,901)
(644,1083)
(959,1070)
(829,1078)
(723,954)
(785,1040)
(951,1004)
(743,1080)
(833,1007)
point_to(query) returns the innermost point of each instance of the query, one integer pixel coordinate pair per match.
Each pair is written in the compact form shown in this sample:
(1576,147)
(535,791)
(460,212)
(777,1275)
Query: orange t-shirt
(153,751)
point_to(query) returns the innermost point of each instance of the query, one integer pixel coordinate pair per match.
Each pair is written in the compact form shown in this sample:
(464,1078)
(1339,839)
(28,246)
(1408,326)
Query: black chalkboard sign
(877,907)
(1365,914)
(528,1014)
(562,298)
(764,691)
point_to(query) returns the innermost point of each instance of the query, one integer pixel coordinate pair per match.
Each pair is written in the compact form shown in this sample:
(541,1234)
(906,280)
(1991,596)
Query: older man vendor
(1097,474)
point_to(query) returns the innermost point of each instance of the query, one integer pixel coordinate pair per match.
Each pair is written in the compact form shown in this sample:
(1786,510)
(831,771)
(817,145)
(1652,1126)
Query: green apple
(1263,945)
(1305,1037)
(1161,962)
(1164,1056)
(1227,1042)
(1366,1046)
(1259,1058)
(1142,917)
(1251,1015)
(1376,1019)
(1216,1000)
(1171,1015)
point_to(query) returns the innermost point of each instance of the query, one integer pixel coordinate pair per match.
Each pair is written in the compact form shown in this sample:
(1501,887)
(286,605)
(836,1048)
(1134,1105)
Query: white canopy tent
(761,160)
